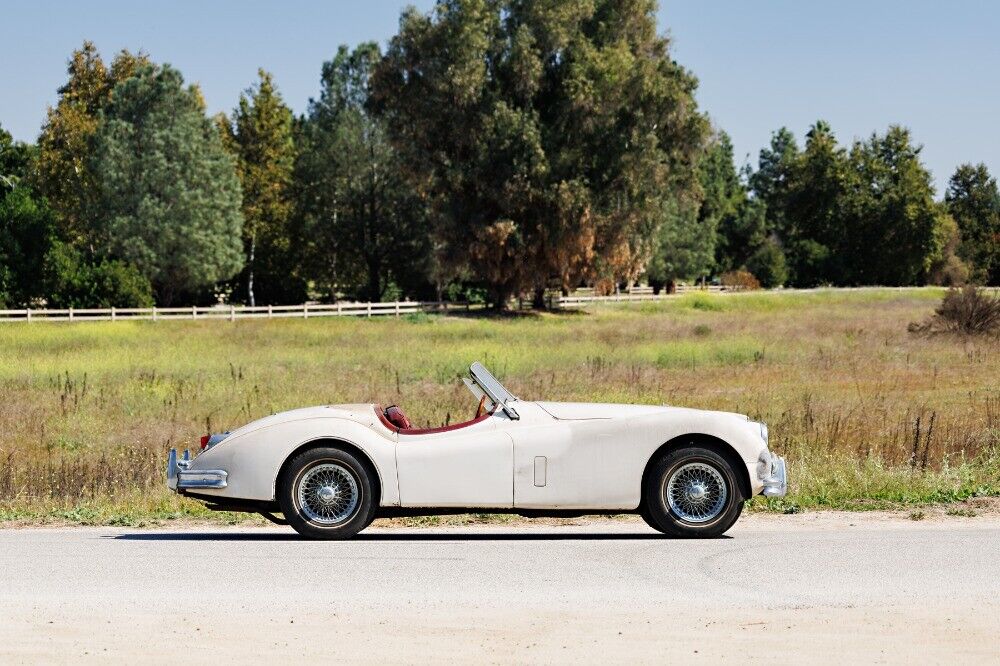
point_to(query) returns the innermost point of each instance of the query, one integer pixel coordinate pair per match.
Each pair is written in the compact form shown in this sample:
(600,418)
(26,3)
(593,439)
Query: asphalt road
(840,589)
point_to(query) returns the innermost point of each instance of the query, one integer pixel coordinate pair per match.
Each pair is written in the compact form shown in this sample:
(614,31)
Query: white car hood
(574,411)
(578,411)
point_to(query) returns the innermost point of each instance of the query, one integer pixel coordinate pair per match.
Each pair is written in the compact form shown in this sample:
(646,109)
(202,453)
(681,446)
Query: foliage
(739,281)
(73,281)
(768,265)
(64,169)
(968,310)
(260,137)
(14,161)
(863,216)
(364,224)
(545,136)
(973,200)
(26,229)
(169,195)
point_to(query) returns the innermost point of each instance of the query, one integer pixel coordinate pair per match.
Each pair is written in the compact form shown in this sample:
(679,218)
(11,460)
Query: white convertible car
(331,470)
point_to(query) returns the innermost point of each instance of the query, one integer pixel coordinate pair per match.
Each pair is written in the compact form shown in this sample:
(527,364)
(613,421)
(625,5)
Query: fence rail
(577,299)
(234,312)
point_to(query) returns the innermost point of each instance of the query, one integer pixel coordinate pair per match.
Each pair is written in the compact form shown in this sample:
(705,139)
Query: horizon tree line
(495,149)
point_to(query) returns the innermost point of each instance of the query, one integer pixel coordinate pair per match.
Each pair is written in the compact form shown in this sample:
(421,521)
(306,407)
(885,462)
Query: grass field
(869,415)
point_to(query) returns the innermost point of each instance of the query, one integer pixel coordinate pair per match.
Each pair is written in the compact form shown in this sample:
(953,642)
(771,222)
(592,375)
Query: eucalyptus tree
(548,138)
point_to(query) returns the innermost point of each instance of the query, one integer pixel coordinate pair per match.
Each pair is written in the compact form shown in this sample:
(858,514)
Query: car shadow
(395,536)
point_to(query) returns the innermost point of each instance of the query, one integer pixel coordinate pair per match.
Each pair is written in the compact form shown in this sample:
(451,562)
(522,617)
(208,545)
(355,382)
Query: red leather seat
(396,417)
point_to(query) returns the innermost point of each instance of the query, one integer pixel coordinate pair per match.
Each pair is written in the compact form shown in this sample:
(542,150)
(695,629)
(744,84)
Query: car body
(534,458)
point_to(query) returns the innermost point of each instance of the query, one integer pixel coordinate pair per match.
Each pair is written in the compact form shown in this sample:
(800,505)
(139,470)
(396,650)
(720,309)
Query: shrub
(768,265)
(969,311)
(739,281)
(76,282)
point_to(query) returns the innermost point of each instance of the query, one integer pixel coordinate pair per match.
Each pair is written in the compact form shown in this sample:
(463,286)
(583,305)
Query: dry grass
(869,415)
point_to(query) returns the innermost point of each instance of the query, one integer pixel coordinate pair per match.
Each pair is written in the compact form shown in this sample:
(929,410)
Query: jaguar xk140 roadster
(331,470)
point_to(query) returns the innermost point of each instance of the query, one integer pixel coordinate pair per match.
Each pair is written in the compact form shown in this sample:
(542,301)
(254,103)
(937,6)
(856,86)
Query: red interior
(392,418)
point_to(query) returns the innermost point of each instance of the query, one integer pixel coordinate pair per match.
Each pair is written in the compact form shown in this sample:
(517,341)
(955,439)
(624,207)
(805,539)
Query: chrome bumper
(776,480)
(179,477)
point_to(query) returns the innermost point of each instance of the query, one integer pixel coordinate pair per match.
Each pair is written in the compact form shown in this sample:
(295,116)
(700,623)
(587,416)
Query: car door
(471,466)
(572,465)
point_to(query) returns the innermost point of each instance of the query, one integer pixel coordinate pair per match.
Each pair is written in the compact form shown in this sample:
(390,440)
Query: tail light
(204,441)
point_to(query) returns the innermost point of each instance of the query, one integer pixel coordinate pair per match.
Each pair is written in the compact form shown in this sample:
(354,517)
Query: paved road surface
(836,590)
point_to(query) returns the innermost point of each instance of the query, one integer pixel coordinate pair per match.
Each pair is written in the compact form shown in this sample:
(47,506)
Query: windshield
(494,390)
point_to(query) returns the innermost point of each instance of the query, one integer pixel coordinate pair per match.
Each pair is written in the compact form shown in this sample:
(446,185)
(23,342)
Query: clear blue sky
(861,65)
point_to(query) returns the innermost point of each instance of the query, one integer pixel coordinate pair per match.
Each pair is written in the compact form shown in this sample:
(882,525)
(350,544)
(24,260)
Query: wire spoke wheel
(328,494)
(696,492)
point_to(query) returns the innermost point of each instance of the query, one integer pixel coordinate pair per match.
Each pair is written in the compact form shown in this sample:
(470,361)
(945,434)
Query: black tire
(657,511)
(344,467)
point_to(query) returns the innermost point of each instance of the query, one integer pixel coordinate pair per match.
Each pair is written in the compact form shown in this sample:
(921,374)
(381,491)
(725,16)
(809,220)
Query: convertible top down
(331,470)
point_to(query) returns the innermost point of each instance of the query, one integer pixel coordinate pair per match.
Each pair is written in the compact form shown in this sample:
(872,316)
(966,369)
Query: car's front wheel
(326,493)
(692,492)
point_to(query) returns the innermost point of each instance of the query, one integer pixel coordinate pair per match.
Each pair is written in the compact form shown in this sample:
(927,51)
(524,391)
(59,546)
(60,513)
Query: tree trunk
(253,250)
(538,302)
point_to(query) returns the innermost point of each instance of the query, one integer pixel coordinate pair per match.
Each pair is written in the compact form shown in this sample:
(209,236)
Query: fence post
(194,312)
(270,310)
(154,313)
(232,312)
(112,313)
(369,308)
(397,309)
(339,306)
(305,311)
(27,313)
(71,313)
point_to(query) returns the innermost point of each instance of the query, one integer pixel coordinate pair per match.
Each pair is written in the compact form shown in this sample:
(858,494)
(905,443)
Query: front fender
(254,459)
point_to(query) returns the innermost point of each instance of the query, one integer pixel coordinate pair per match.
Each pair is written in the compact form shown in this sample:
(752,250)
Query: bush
(78,283)
(739,281)
(969,311)
(768,265)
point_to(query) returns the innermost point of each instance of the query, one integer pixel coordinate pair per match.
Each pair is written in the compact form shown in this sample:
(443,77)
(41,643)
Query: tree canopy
(546,137)
(169,194)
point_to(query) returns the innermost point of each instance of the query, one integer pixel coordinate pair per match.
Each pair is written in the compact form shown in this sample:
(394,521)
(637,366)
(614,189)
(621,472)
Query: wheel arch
(351,448)
(710,442)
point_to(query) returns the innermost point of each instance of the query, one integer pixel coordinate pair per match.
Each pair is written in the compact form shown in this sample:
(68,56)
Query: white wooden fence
(233,312)
(582,297)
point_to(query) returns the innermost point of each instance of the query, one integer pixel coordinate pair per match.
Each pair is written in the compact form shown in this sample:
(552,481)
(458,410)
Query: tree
(365,225)
(26,230)
(547,137)
(64,171)
(973,200)
(701,231)
(889,230)
(15,158)
(260,138)
(169,193)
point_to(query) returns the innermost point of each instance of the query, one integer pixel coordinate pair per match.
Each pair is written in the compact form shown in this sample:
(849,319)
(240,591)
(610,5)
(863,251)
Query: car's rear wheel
(692,492)
(326,493)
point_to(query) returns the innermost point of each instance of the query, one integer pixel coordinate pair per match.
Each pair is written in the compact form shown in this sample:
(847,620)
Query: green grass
(89,409)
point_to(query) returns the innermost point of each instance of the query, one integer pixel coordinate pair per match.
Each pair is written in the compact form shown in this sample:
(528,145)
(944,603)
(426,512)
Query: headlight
(763,431)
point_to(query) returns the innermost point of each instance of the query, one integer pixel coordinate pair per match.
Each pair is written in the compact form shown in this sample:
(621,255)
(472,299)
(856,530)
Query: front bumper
(180,477)
(775,480)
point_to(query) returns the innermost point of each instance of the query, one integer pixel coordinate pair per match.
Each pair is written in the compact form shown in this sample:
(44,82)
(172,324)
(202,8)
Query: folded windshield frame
(492,387)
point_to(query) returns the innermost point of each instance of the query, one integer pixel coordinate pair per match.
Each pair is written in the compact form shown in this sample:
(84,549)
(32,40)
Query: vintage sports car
(331,470)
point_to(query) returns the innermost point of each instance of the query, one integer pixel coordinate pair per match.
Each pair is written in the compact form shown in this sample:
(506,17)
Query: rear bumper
(776,481)
(180,477)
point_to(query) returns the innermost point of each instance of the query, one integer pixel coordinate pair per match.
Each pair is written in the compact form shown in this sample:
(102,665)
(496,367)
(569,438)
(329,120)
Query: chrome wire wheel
(328,494)
(696,492)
